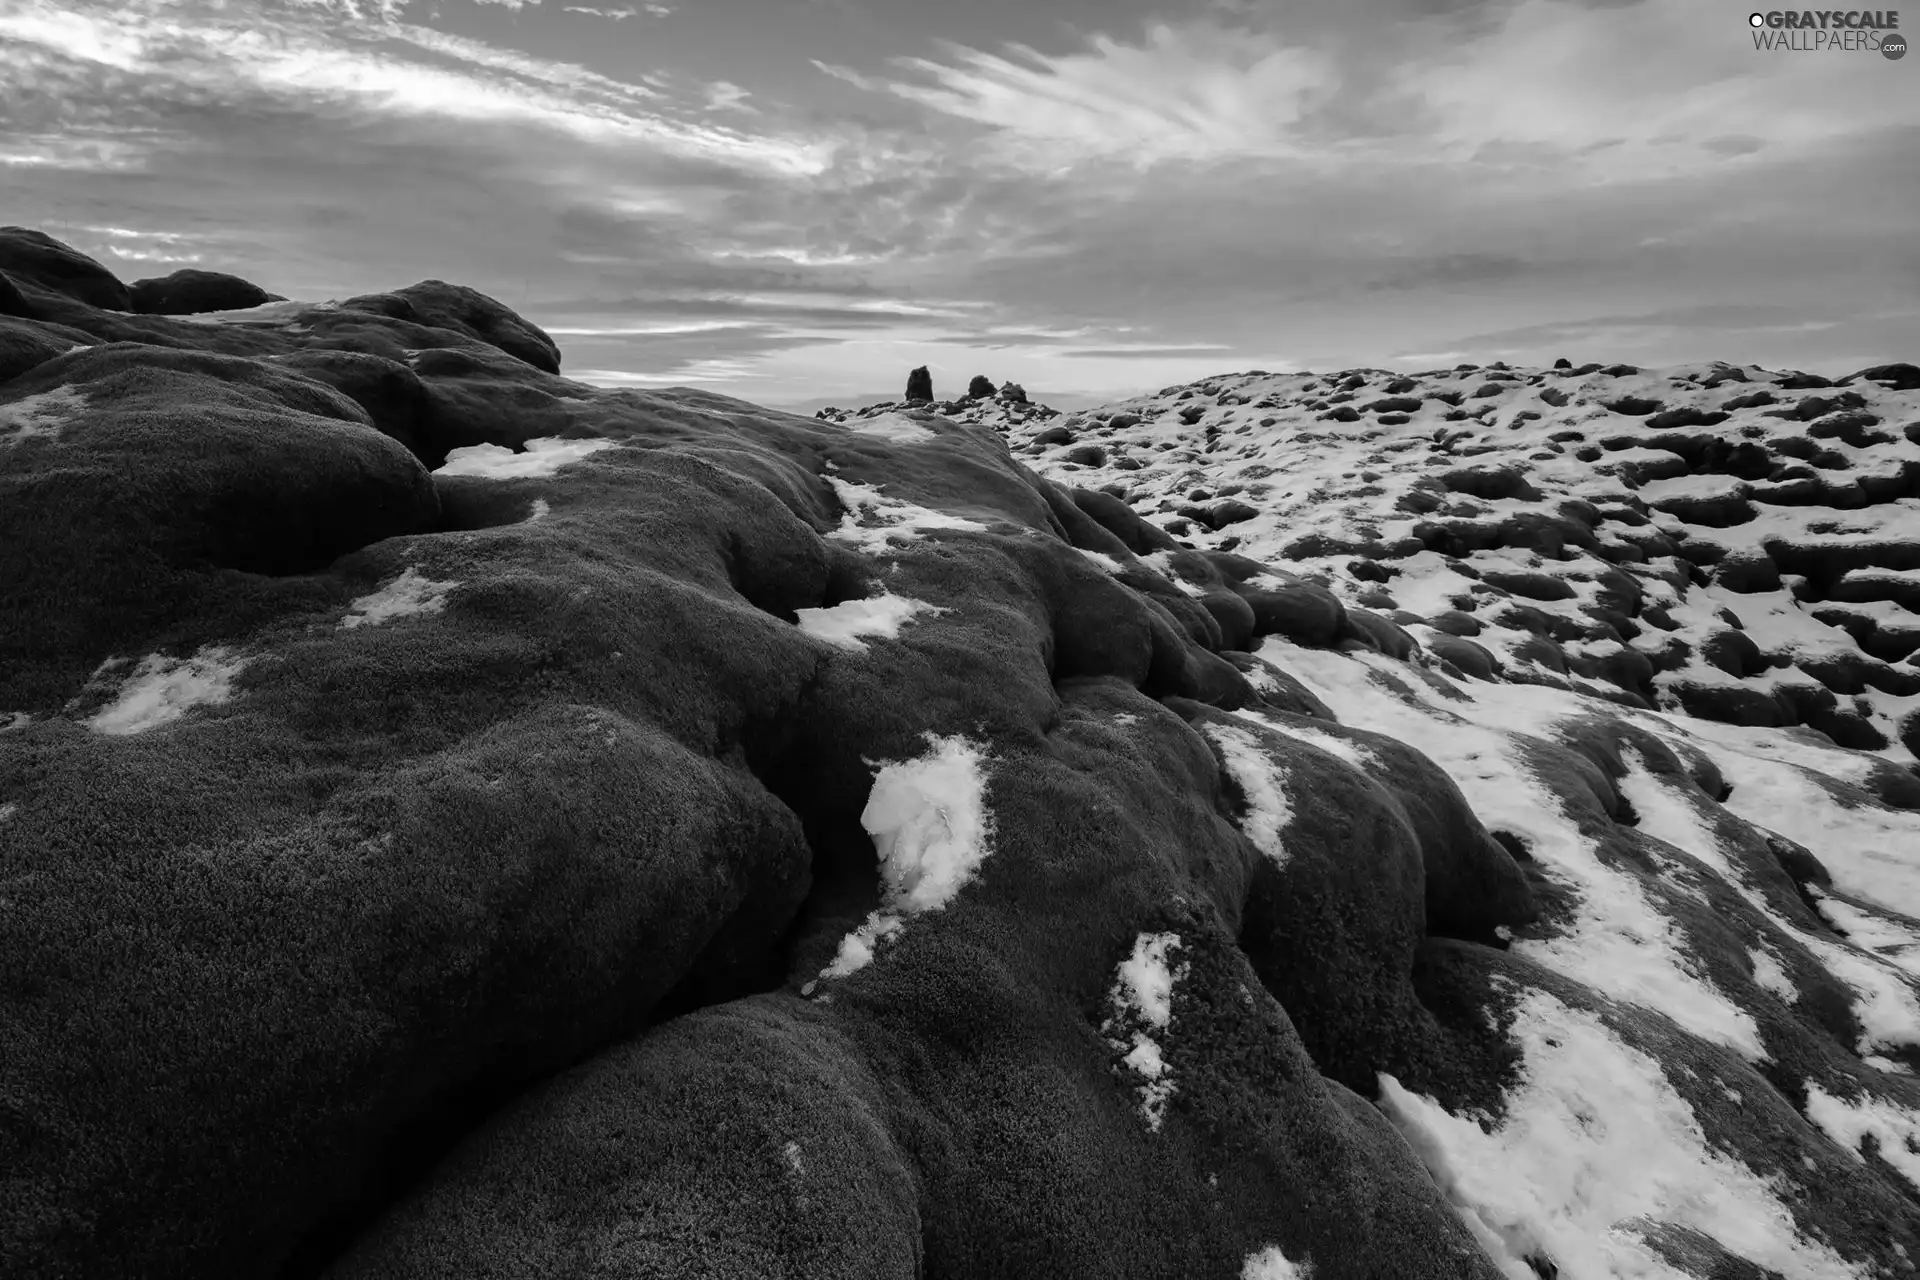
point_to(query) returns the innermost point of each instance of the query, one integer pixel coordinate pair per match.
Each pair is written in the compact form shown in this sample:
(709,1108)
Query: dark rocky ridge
(437,799)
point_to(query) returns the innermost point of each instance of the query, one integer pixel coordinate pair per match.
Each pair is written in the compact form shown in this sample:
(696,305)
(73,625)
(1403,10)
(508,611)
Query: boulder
(36,258)
(439,305)
(190,291)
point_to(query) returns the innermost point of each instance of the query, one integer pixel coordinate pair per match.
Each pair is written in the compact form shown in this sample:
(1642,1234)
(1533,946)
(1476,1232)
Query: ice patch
(406,596)
(930,826)
(39,415)
(896,519)
(162,689)
(1142,999)
(1271,1264)
(844,624)
(896,427)
(543,457)
(1260,779)
(1595,1147)
(1895,1129)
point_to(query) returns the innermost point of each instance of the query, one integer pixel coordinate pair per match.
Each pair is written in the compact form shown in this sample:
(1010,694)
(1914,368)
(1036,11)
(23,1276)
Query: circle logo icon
(1756,19)
(1893,47)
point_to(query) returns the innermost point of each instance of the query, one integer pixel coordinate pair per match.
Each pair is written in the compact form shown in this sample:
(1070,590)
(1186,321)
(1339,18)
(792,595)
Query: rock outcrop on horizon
(920,384)
(457,821)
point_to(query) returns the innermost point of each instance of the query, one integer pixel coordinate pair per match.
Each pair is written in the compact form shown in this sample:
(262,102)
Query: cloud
(1616,91)
(1133,201)
(1718,320)
(235,55)
(1194,93)
(1145,351)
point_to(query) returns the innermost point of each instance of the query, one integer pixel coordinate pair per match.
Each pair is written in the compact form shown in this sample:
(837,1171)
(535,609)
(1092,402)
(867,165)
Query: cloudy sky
(795,201)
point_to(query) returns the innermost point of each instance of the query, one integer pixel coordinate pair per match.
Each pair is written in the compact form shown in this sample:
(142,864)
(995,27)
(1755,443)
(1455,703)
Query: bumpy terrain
(456,821)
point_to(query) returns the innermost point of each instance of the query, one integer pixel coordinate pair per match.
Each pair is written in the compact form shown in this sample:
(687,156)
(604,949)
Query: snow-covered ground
(1720,567)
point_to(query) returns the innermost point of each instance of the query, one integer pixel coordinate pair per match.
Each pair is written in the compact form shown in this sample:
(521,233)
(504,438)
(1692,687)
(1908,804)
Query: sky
(796,201)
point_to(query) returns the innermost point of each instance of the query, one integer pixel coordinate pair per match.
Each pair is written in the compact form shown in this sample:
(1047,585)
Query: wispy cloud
(239,54)
(1070,193)
(1195,93)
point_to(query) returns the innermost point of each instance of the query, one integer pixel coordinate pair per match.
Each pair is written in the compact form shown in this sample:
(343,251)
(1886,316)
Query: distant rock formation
(980,388)
(191,292)
(1013,392)
(920,384)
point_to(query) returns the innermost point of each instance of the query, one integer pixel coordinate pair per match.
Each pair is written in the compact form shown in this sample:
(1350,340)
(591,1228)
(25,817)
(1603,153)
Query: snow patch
(408,595)
(1163,561)
(894,518)
(1868,848)
(1142,1000)
(39,415)
(1353,753)
(1891,940)
(1770,975)
(896,427)
(858,948)
(930,826)
(1895,1129)
(163,689)
(1885,1001)
(844,624)
(928,819)
(1596,1146)
(265,313)
(1620,943)
(543,457)
(1260,779)
(1271,1264)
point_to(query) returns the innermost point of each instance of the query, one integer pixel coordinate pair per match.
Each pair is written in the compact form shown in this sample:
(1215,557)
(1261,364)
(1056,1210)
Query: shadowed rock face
(457,821)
